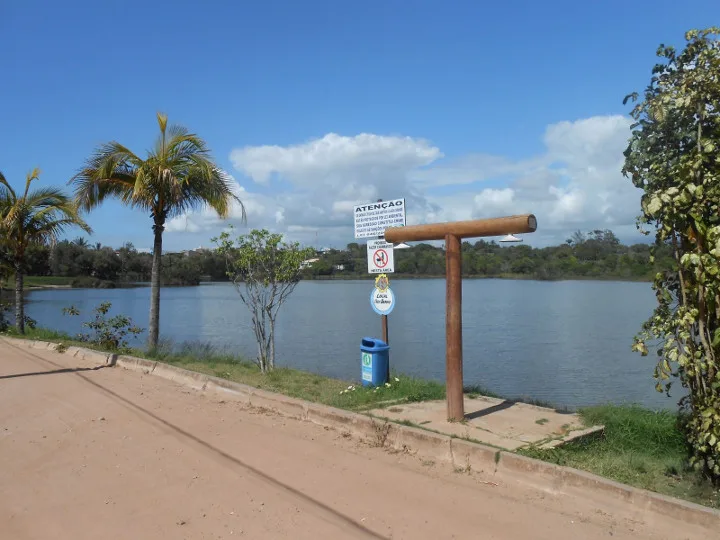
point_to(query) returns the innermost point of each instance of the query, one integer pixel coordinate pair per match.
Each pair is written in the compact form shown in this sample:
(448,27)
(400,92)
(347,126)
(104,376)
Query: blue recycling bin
(374,361)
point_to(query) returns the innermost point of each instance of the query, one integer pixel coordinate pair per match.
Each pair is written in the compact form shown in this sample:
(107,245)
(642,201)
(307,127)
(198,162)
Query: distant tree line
(597,254)
(95,265)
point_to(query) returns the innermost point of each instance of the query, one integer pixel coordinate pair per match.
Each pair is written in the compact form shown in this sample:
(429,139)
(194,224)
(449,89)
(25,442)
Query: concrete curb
(459,453)
(98,357)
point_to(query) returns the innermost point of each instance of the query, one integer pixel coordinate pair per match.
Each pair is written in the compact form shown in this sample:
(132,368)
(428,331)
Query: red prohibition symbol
(381,258)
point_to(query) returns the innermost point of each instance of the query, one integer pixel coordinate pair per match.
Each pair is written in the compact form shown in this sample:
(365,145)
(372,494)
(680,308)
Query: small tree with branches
(673,158)
(265,271)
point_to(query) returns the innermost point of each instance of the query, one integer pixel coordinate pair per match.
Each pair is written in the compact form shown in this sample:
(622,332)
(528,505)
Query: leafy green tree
(179,269)
(673,157)
(134,266)
(323,267)
(6,270)
(37,260)
(36,217)
(265,271)
(105,264)
(176,176)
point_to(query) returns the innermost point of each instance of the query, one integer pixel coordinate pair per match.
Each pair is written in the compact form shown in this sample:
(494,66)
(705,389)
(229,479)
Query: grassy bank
(89,282)
(300,384)
(207,359)
(43,281)
(639,447)
(83,282)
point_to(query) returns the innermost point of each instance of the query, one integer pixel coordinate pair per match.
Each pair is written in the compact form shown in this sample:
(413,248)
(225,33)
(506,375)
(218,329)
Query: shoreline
(359,277)
(508,277)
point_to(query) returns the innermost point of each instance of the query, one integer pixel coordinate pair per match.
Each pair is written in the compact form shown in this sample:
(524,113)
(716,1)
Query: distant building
(339,267)
(195,252)
(308,263)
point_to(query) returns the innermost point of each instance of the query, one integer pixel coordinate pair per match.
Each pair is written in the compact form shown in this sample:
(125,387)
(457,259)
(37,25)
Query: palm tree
(177,176)
(35,217)
(81,242)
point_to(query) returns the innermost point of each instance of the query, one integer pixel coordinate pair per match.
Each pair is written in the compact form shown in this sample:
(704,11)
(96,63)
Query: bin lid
(374,344)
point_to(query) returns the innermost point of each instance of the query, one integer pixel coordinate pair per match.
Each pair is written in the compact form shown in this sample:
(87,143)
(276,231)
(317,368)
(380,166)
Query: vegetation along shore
(593,255)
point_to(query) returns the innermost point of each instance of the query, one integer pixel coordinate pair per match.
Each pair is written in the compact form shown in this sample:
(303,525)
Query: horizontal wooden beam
(474,228)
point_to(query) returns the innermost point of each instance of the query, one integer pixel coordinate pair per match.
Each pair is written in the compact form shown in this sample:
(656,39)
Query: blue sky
(468,109)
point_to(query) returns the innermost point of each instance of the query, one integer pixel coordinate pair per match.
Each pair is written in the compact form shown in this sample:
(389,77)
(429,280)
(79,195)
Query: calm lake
(565,342)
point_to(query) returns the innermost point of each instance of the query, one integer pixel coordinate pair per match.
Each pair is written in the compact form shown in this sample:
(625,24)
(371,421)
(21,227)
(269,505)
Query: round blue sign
(382,302)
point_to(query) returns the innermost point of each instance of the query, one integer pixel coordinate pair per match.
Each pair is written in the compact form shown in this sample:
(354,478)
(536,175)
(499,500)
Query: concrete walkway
(90,453)
(497,422)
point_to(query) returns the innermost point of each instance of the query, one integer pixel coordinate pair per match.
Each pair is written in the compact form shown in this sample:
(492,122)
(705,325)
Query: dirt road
(108,453)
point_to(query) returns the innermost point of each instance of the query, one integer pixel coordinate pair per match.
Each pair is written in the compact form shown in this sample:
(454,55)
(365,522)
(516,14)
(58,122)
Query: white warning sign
(380,257)
(372,219)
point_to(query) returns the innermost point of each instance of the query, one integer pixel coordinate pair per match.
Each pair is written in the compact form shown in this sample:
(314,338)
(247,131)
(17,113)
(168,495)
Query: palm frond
(162,121)
(48,230)
(47,196)
(109,172)
(211,188)
(176,134)
(39,216)
(32,175)
(5,186)
(7,193)
(178,175)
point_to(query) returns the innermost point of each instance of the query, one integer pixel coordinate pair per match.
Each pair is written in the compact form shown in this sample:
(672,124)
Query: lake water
(564,342)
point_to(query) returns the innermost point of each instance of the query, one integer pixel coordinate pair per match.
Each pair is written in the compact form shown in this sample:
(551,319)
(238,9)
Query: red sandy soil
(107,453)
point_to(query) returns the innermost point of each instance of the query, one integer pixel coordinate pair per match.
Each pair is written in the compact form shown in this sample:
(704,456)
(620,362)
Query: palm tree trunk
(154,330)
(19,308)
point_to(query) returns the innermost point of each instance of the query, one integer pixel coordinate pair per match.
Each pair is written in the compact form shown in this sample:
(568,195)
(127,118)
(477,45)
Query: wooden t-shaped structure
(453,233)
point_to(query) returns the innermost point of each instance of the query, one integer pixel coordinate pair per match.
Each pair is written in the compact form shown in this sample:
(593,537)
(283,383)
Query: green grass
(44,334)
(44,281)
(207,359)
(80,282)
(640,447)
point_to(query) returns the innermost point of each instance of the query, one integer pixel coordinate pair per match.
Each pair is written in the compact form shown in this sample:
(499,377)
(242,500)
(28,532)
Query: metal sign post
(453,233)
(382,300)
(371,220)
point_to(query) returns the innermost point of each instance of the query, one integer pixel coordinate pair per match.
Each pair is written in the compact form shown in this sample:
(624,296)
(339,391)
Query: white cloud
(328,176)
(491,202)
(258,208)
(308,190)
(577,184)
(327,159)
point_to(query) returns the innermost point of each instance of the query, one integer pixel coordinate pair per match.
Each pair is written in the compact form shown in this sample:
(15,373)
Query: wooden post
(453,329)
(386,339)
(384,320)
(462,229)
(453,233)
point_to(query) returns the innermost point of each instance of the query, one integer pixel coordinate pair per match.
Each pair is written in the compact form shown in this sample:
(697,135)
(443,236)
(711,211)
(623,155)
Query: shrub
(107,333)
